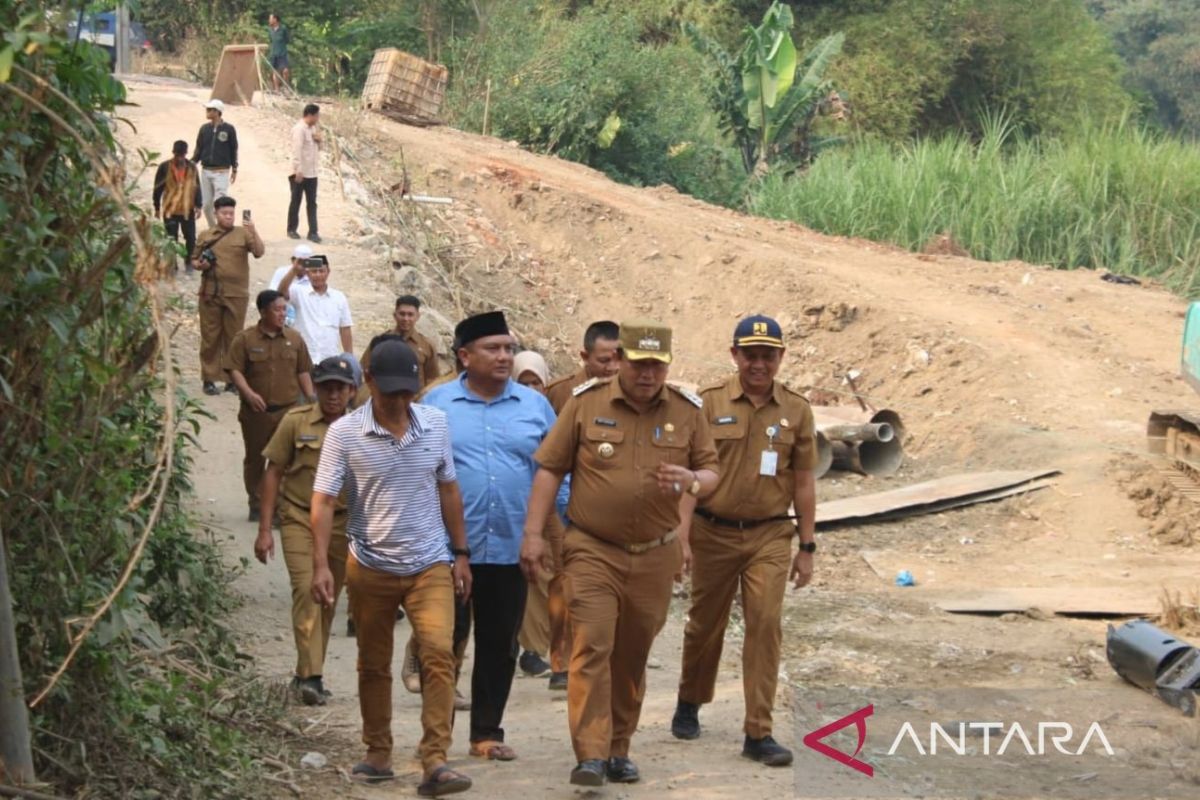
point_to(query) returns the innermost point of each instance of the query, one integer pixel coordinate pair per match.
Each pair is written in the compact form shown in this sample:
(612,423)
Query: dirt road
(993,365)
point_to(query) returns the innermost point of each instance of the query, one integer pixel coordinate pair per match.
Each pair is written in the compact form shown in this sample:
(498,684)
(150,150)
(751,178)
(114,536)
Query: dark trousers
(308,188)
(498,601)
(186,225)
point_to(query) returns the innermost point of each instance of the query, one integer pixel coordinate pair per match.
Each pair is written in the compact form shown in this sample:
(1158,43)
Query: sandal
(367,774)
(434,786)
(493,751)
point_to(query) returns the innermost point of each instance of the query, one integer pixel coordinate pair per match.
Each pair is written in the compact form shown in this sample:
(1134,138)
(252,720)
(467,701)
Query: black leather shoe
(589,773)
(686,722)
(350,631)
(210,388)
(558,682)
(254,515)
(621,770)
(229,387)
(767,751)
(312,237)
(293,235)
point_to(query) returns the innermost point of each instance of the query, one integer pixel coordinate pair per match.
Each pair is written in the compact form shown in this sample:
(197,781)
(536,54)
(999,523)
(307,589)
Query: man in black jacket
(177,198)
(217,152)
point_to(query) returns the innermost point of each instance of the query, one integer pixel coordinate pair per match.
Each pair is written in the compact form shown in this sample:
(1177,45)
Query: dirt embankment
(993,366)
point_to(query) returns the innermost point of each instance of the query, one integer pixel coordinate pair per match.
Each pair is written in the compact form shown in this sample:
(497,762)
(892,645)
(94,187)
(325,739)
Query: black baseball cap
(758,330)
(334,368)
(394,367)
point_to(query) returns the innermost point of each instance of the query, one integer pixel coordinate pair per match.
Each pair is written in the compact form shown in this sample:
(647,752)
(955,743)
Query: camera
(208,256)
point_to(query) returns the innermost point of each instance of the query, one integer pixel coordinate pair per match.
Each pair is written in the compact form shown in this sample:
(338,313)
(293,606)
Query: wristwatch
(808,547)
(461,551)
(694,489)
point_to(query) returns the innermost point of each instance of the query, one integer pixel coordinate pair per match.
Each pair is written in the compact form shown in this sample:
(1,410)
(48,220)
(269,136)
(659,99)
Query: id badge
(769,463)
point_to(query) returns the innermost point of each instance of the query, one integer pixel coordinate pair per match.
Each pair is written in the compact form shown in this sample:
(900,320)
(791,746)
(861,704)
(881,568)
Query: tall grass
(1119,198)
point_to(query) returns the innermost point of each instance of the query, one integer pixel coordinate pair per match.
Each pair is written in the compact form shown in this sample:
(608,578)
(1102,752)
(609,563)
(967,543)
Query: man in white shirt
(306,142)
(301,253)
(322,312)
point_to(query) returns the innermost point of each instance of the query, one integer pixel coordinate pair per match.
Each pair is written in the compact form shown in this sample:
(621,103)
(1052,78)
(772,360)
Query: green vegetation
(757,97)
(1114,197)
(119,603)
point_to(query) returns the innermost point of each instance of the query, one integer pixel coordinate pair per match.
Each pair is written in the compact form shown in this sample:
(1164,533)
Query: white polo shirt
(319,319)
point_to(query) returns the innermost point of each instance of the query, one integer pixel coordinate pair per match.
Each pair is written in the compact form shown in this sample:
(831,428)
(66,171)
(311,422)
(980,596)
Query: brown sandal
(493,751)
(443,780)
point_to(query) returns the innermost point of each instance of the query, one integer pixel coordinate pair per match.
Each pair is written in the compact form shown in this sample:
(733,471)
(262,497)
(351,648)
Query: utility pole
(16,758)
(122,43)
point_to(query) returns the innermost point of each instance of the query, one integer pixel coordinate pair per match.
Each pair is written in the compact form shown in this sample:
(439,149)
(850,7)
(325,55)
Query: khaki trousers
(220,320)
(617,602)
(724,558)
(311,623)
(428,600)
(257,429)
(546,628)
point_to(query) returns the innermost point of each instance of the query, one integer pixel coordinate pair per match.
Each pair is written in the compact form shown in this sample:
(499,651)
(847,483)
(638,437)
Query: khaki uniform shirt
(741,434)
(558,392)
(270,362)
(231,276)
(427,360)
(296,447)
(613,452)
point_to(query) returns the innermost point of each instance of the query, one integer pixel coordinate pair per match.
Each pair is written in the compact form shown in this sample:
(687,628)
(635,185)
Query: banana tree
(765,95)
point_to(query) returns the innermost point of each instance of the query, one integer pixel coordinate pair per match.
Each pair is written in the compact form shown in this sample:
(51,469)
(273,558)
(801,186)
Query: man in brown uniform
(269,365)
(741,535)
(222,256)
(408,311)
(292,456)
(633,446)
(599,357)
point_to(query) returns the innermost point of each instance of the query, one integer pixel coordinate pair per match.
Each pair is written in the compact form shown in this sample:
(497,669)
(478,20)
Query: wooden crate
(406,87)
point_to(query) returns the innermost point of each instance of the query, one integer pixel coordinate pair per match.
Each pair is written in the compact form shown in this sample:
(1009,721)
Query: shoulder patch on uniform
(687,394)
(590,383)
(794,392)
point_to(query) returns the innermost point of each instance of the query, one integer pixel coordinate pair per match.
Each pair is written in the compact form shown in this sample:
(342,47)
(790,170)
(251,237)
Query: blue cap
(758,330)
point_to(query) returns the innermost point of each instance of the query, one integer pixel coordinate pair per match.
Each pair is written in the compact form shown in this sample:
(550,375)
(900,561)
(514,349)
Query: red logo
(859,720)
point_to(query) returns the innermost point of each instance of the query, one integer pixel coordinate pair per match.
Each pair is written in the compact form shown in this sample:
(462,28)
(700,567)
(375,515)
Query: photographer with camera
(223,258)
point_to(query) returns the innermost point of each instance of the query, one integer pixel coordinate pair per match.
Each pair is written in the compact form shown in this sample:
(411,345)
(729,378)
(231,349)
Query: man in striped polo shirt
(408,547)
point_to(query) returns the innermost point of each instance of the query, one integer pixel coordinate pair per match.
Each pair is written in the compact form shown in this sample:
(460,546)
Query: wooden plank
(1107,600)
(927,497)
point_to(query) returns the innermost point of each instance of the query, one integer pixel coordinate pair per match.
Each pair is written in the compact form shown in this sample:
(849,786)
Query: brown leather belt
(216,169)
(740,524)
(636,548)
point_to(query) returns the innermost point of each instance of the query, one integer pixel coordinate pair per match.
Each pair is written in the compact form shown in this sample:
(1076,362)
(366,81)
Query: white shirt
(319,319)
(281,273)
(304,150)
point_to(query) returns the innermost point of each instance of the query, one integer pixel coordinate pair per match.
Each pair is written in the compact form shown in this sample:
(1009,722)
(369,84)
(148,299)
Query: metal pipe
(849,432)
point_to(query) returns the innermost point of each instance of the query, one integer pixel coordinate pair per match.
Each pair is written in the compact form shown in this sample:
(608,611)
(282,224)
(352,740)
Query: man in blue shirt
(496,425)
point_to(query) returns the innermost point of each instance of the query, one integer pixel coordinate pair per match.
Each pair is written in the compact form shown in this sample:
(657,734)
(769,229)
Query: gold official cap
(645,338)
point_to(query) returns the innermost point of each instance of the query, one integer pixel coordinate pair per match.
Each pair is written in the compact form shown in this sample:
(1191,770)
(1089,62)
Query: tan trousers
(617,603)
(546,627)
(257,429)
(724,558)
(220,320)
(428,600)
(311,623)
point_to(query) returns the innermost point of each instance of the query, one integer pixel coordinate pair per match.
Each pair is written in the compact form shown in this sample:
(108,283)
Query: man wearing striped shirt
(408,547)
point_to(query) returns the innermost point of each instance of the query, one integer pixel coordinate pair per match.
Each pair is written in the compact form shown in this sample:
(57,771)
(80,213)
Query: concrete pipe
(868,458)
(824,456)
